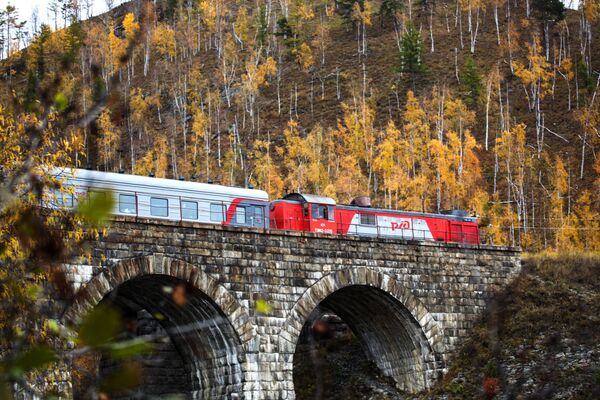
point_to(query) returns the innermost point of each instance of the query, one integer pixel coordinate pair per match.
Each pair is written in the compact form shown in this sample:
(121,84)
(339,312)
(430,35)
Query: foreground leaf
(101,325)
(32,359)
(97,207)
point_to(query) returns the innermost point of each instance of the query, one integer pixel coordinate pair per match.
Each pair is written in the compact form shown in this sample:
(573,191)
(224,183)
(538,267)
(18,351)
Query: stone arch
(216,326)
(394,327)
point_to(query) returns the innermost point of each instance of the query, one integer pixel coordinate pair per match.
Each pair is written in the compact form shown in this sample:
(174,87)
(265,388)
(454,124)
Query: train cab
(304,212)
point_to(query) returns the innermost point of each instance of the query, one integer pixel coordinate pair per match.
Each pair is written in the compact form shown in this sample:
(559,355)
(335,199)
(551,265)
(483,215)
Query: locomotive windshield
(320,211)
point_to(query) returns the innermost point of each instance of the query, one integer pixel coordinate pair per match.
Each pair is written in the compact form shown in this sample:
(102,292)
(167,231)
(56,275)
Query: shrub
(490,387)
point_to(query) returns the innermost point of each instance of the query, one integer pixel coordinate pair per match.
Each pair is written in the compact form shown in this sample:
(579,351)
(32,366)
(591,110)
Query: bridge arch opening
(197,352)
(395,331)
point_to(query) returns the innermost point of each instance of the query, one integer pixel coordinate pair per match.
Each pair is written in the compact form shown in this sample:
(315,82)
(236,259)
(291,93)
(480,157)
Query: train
(180,200)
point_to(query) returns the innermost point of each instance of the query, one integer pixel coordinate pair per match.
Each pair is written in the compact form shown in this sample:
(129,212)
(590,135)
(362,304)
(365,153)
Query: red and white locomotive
(321,214)
(171,199)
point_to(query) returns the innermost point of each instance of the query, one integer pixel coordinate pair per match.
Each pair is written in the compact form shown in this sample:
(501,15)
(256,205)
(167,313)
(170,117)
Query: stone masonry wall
(422,296)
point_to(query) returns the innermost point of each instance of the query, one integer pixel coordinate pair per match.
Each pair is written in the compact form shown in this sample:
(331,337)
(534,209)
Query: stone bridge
(409,303)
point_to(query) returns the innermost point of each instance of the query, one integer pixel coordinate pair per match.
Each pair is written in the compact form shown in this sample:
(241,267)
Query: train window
(127,203)
(240,215)
(217,212)
(189,209)
(159,207)
(368,219)
(322,212)
(331,213)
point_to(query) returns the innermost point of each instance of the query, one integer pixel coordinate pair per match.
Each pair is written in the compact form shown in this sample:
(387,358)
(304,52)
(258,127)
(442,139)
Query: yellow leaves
(560,177)
(357,130)
(155,159)
(416,126)
(304,56)
(208,11)
(139,106)
(263,307)
(305,12)
(566,67)
(591,10)
(242,25)
(256,76)
(588,220)
(303,159)
(110,135)
(362,15)
(589,118)
(131,26)
(538,73)
(269,67)
(163,40)
(230,53)
(117,47)
(199,124)
(267,173)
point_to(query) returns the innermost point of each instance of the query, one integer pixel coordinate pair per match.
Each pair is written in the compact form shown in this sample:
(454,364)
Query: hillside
(423,105)
(540,339)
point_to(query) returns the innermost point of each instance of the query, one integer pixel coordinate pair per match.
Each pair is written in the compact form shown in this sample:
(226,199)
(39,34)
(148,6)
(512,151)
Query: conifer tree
(389,8)
(549,9)
(470,82)
(411,52)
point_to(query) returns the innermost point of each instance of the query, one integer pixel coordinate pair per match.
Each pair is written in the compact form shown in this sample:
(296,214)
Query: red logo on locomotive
(400,225)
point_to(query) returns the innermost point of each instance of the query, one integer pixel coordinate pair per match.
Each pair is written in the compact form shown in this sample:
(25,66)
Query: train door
(256,216)
(456,233)
(470,234)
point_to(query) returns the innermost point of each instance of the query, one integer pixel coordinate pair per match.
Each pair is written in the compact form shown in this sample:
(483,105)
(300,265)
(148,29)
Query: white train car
(171,199)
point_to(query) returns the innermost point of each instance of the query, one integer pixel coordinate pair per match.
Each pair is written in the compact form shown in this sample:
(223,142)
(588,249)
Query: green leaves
(411,51)
(100,326)
(61,102)
(127,377)
(470,82)
(130,348)
(96,208)
(32,359)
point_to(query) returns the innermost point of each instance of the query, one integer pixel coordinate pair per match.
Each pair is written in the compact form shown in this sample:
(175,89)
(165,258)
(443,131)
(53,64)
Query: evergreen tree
(585,77)
(389,8)
(411,51)
(549,9)
(470,82)
(284,30)
(345,7)
(262,26)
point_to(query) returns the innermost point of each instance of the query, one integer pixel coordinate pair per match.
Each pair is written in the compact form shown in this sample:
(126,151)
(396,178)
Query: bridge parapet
(409,303)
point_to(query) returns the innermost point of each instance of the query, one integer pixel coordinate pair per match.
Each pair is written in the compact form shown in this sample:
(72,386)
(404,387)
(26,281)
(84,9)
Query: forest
(484,105)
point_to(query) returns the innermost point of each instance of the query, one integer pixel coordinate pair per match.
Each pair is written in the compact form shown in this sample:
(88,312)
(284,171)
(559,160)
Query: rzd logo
(400,225)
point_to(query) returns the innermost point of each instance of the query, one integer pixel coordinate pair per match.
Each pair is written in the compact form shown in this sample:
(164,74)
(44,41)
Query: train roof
(110,179)
(310,198)
(410,213)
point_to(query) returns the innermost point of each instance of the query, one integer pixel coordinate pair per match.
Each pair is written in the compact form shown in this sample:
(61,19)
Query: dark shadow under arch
(203,330)
(394,328)
(209,348)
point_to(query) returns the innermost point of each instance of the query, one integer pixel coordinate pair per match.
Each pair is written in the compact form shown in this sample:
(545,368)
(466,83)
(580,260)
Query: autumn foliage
(266,95)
